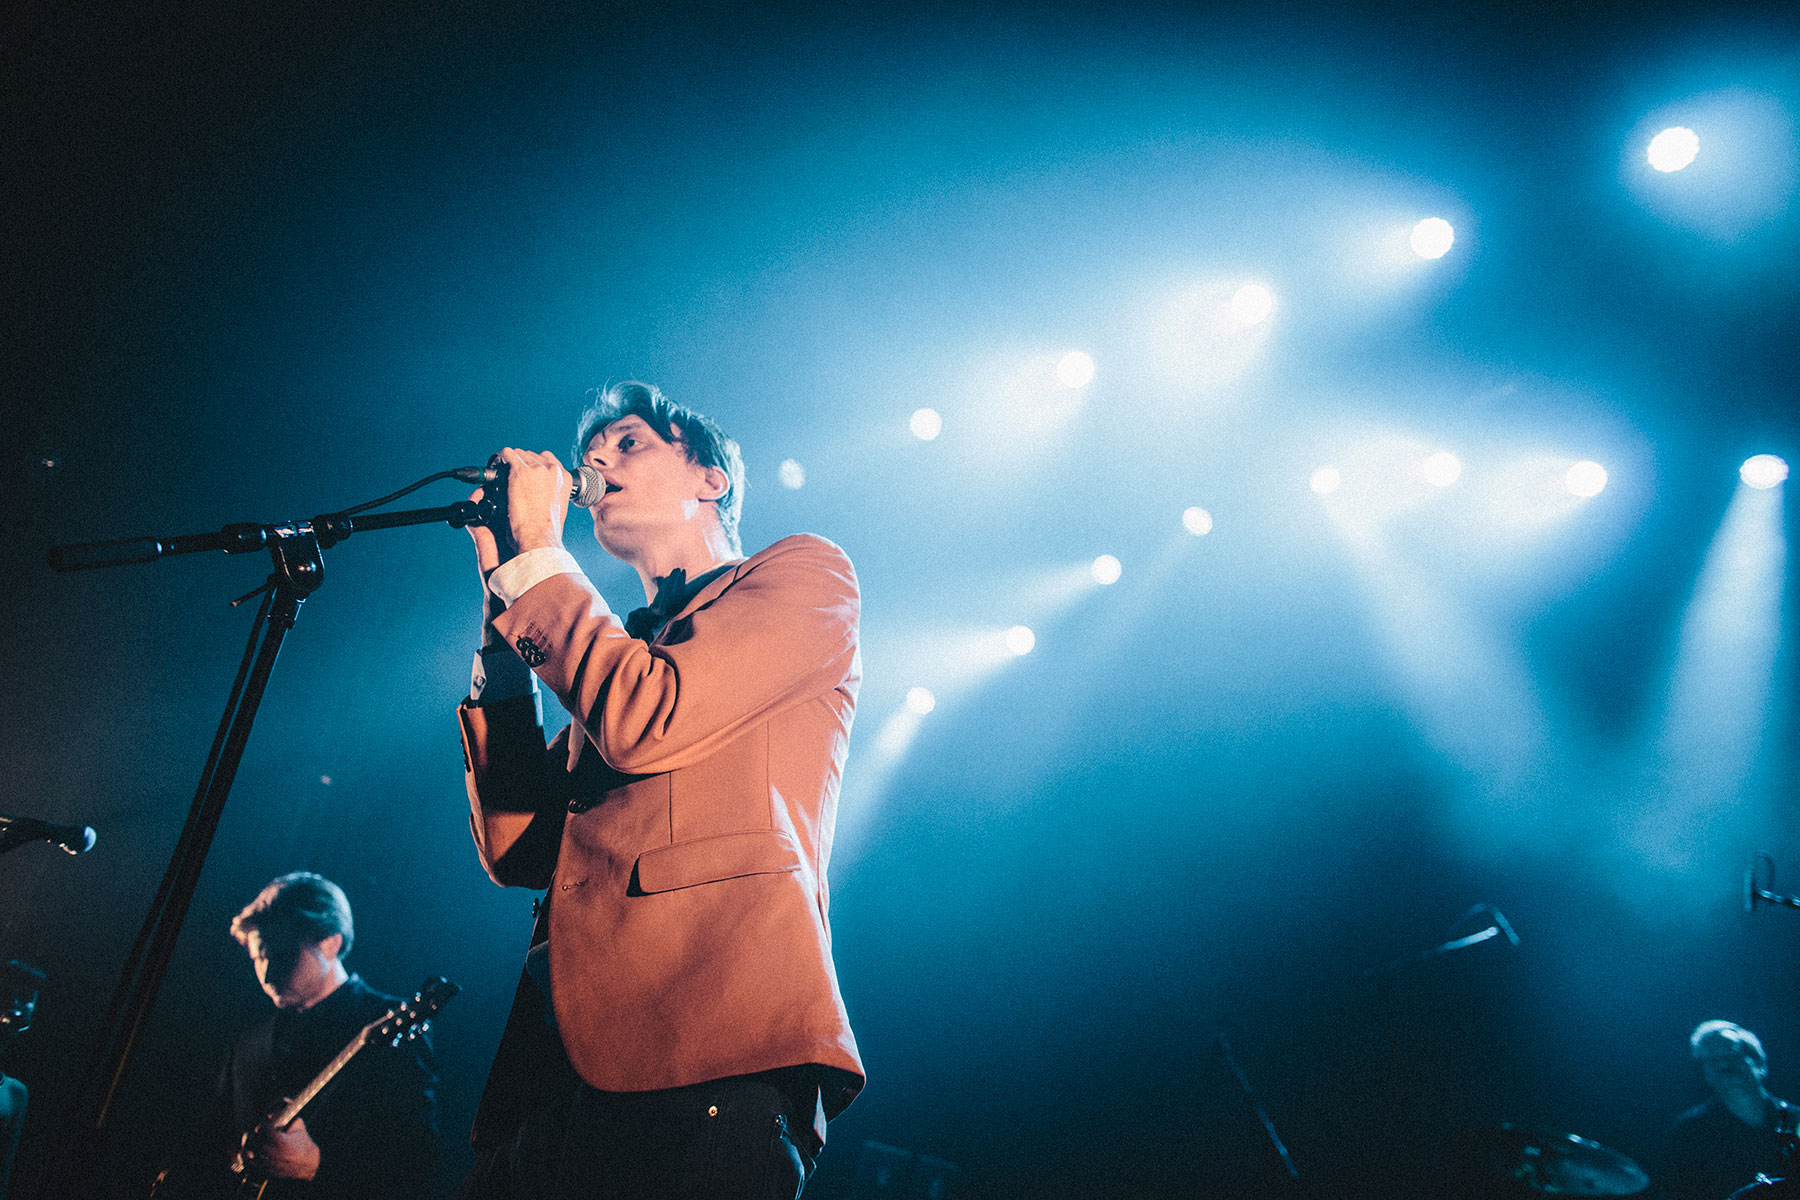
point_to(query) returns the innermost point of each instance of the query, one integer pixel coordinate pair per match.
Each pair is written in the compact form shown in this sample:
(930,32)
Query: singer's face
(652,489)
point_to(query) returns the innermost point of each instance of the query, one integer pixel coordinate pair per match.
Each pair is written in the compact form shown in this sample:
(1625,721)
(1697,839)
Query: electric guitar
(402,1023)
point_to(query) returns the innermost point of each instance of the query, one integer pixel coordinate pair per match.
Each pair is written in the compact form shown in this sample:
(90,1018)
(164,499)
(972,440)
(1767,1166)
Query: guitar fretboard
(292,1108)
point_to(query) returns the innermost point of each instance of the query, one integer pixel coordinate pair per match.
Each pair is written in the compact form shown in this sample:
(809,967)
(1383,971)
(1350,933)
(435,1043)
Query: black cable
(411,487)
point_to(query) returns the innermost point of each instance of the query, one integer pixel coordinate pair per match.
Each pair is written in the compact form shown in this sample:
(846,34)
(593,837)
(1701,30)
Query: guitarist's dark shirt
(375,1124)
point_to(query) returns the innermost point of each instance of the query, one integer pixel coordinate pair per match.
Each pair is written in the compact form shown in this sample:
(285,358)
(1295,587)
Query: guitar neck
(286,1114)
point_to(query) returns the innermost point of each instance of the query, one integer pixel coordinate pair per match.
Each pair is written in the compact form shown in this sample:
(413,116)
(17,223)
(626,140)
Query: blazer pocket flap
(720,856)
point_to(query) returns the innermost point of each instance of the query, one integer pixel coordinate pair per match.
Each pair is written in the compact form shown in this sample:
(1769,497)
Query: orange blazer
(682,824)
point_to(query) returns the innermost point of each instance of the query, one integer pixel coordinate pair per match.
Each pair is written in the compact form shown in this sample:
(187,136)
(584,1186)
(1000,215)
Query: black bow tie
(671,594)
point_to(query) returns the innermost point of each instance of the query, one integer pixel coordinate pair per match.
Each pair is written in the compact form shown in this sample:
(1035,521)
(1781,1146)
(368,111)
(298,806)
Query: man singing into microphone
(677,1030)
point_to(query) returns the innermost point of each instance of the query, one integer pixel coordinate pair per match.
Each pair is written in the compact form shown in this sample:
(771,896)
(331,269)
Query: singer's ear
(717,483)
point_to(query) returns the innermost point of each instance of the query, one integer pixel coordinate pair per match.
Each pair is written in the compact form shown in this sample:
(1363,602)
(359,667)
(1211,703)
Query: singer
(677,1029)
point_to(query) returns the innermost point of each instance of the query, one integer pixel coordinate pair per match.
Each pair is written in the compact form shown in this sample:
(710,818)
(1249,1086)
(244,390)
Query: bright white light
(1252,303)
(1106,570)
(1585,479)
(1433,237)
(926,424)
(1674,148)
(792,474)
(1075,369)
(1763,471)
(920,700)
(1020,640)
(1196,521)
(1326,480)
(1441,469)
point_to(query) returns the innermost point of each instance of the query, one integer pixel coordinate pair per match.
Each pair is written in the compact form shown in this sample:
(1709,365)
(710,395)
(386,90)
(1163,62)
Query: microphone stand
(1499,927)
(297,570)
(1262,1114)
(1755,893)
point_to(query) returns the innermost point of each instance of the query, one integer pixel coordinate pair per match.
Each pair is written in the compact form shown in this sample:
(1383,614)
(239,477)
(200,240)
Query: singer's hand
(537,498)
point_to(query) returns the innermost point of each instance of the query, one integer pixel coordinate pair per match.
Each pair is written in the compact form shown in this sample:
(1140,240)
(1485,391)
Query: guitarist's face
(294,972)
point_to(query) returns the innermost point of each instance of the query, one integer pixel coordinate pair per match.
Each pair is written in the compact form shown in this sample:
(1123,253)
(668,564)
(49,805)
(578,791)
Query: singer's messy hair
(706,444)
(300,903)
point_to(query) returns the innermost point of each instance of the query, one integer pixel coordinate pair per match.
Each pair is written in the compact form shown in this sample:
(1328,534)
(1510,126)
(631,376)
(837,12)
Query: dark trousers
(731,1139)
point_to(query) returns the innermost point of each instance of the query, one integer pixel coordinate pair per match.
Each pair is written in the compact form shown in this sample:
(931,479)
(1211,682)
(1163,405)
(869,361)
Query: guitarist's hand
(282,1153)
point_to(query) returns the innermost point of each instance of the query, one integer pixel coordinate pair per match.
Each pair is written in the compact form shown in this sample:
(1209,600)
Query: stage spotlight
(1763,471)
(926,424)
(1075,369)
(1433,237)
(920,700)
(1673,148)
(1326,480)
(1252,303)
(1020,640)
(1196,521)
(1106,570)
(1585,479)
(1441,469)
(793,475)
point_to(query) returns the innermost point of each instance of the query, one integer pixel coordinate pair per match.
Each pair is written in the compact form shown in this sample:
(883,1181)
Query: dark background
(264,261)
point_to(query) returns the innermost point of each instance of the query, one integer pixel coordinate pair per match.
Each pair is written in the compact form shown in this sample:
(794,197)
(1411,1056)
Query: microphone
(588,486)
(75,839)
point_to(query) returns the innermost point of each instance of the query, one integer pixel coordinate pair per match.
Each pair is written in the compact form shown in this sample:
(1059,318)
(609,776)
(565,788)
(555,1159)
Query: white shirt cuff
(500,674)
(516,576)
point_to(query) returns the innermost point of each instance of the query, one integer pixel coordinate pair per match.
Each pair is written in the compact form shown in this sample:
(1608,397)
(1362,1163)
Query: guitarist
(373,1132)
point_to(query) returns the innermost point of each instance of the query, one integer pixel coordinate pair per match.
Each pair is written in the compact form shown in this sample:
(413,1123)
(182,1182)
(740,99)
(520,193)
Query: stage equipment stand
(1262,1114)
(1755,893)
(298,569)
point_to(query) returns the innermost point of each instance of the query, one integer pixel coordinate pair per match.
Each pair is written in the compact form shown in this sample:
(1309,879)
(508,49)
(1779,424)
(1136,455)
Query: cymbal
(1558,1164)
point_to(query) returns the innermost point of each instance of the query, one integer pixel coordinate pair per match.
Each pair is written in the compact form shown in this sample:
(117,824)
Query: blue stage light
(1433,237)
(1763,471)
(792,474)
(1197,521)
(1441,469)
(1252,303)
(920,700)
(1673,148)
(1585,479)
(1327,480)
(926,424)
(1075,369)
(1106,570)
(1020,640)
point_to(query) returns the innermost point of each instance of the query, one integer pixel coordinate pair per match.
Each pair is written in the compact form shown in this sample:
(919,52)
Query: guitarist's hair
(302,903)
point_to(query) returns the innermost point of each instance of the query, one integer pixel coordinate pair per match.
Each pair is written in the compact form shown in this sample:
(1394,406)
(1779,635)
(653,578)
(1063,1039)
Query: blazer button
(712,1110)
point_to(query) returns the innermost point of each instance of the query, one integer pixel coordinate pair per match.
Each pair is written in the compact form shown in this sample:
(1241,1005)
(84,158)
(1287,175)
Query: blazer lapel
(715,587)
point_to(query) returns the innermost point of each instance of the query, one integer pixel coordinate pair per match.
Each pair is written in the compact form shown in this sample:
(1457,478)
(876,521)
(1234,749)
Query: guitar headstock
(410,1018)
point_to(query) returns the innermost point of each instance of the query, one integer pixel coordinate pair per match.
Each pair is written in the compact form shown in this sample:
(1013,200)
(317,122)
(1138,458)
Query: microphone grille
(589,487)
